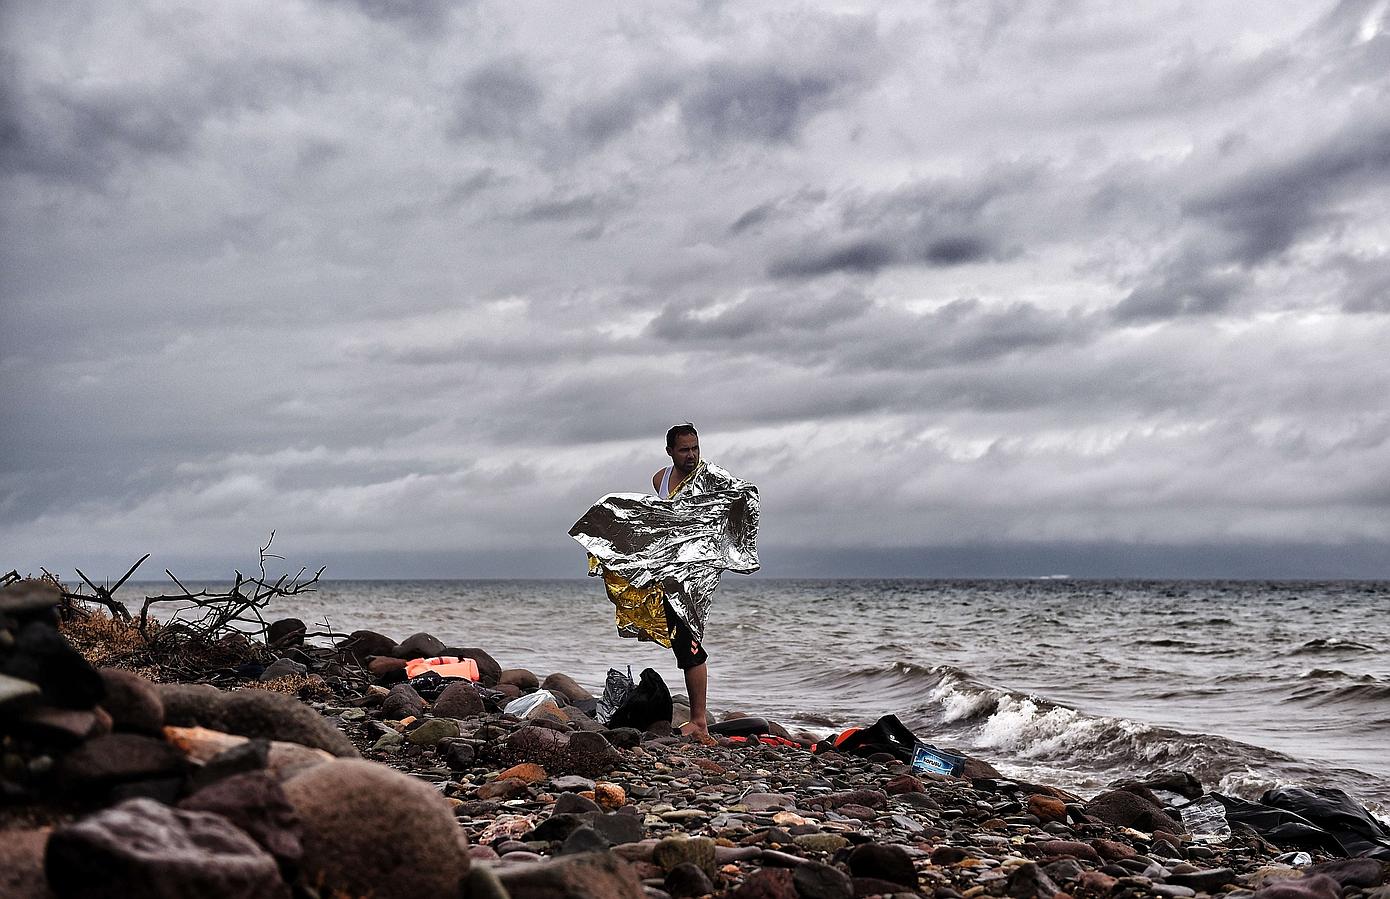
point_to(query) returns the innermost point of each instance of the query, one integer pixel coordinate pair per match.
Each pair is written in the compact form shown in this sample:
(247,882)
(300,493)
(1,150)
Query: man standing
(661,557)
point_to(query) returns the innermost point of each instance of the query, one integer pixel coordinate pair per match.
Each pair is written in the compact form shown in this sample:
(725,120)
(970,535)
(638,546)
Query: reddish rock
(566,686)
(504,788)
(255,802)
(116,758)
(1124,808)
(1047,808)
(767,883)
(529,772)
(386,669)
(459,700)
(1112,850)
(1095,883)
(1315,886)
(904,783)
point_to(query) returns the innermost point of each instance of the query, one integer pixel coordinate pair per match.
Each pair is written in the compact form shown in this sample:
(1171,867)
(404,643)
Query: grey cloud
(1191,283)
(755,319)
(424,17)
(496,100)
(858,257)
(596,122)
(748,103)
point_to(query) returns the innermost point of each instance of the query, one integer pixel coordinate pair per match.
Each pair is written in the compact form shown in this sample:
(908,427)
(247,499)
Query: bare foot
(700,734)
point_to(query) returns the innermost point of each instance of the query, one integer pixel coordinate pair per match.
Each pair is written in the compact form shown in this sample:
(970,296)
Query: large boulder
(459,700)
(401,703)
(255,802)
(142,848)
(370,830)
(488,669)
(360,645)
(418,646)
(1124,808)
(253,713)
(566,686)
(132,702)
(521,678)
(286,632)
(584,753)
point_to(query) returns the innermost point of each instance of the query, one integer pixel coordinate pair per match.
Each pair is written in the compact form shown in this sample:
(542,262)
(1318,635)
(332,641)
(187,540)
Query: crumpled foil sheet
(649,549)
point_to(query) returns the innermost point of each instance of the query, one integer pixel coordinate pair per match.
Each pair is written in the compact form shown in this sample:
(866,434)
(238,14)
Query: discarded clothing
(1318,819)
(649,549)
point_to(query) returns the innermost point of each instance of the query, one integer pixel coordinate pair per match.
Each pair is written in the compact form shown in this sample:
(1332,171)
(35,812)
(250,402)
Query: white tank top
(666,482)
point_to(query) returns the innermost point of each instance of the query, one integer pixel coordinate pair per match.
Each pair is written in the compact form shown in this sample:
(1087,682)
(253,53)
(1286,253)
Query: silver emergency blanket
(648,549)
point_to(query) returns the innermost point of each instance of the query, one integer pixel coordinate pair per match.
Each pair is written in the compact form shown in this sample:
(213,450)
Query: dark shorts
(689,652)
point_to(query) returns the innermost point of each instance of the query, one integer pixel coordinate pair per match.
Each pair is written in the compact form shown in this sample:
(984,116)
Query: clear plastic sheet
(649,549)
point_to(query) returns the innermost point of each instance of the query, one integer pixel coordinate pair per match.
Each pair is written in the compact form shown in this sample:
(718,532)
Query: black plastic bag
(649,702)
(1337,813)
(616,689)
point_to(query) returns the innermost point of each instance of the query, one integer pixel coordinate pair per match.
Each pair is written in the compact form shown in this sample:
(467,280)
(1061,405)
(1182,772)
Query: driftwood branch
(102,595)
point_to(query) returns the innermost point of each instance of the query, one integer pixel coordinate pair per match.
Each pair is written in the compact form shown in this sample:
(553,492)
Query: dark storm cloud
(1268,210)
(1191,283)
(859,257)
(496,100)
(734,102)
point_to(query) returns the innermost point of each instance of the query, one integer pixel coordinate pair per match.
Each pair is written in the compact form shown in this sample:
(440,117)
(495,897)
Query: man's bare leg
(697,686)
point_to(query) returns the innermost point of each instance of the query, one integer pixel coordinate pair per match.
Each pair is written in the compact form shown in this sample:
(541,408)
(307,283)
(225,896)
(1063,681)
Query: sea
(1076,683)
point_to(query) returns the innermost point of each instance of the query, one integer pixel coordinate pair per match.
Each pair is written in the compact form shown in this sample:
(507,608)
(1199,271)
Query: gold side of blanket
(639,611)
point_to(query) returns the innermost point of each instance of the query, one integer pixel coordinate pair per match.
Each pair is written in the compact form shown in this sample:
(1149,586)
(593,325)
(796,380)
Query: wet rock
(596,875)
(1124,808)
(1183,783)
(687,880)
(618,828)
(368,829)
(250,755)
(868,798)
(1070,848)
(677,850)
(42,656)
(360,645)
(256,804)
(948,855)
(979,768)
(115,758)
(1350,872)
(883,862)
(401,703)
(623,737)
(488,669)
(132,702)
(761,802)
(432,731)
(571,783)
(523,680)
(461,700)
(1047,808)
(820,842)
(458,755)
(1113,850)
(285,632)
(503,788)
(817,881)
(142,848)
(581,840)
(1028,881)
(1096,883)
(590,754)
(565,686)
(418,646)
(283,668)
(903,783)
(1064,870)
(574,804)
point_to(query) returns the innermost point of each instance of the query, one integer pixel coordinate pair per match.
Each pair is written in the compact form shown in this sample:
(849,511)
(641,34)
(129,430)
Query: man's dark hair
(679,430)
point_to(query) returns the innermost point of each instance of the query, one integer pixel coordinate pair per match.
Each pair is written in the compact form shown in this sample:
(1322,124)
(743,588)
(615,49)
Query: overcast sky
(967,288)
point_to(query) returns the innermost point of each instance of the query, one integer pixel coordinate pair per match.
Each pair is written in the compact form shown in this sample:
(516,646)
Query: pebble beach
(311,768)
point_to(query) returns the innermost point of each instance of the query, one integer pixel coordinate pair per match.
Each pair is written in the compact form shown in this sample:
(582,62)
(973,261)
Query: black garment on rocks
(1334,811)
(887,734)
(648,703)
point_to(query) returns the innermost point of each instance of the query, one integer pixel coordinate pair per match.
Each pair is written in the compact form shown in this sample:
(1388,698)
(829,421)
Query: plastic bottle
(1205,820)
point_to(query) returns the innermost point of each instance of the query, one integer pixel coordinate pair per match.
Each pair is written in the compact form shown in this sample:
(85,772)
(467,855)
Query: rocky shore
(314,771)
